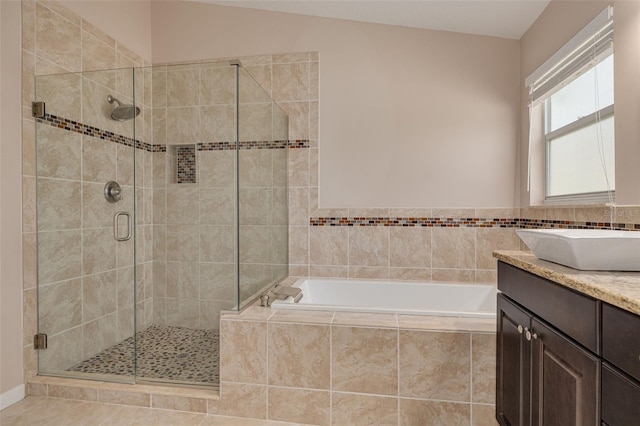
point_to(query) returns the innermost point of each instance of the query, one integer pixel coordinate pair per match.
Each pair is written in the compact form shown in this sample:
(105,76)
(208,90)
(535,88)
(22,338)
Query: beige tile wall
(194,224)
(85,279)
(339,368)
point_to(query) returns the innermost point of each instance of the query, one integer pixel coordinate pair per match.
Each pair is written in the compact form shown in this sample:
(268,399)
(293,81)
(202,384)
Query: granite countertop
(621,289)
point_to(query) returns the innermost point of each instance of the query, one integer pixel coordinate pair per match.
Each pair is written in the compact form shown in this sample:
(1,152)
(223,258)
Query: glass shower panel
(85,191)
(262,189)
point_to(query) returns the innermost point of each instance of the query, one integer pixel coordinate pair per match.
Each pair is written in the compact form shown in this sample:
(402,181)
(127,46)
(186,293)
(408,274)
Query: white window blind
(586,48)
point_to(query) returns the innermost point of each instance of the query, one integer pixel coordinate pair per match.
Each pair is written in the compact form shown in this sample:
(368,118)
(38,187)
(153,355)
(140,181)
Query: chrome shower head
(122,112)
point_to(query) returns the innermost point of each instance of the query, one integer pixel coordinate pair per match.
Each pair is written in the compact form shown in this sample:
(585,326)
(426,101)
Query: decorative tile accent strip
(437,222)
(84,129)
(185,157)
(222,146)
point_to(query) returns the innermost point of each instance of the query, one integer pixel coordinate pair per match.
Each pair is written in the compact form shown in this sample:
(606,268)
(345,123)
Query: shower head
(122,112)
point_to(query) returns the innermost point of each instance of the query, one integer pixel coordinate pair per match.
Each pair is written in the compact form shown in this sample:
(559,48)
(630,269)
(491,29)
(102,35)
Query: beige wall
(10,203)
(560,21)
(408,118)
(129,22)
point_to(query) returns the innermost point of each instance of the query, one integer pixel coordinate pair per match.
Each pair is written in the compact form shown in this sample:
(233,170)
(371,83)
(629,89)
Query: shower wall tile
(217,85)
(28,25)
(453,275)
(218,281)
(100,334)
(29,315)
(255,168)
(61,93)
(29,261)
(217,206)
(284,58)
(255,206)
(217,244)
(253,244)
(59,153)
(221,168)
(28,82)
(291,81)
(98,160)
(183,312)
(183,86)
(28,147)
(218,123)
(63,351)
(491,239)
(99,295)
(299,245)
(96,111)
(60,306)
(57,39)
(98,250)
(182,206)
(299,168)
(182,242)
(410,274)
(183,125)
(97,54)
(29,185)
(298,113)
(182,280)
(258,122)
(249,90)
(59,204)
(63,250)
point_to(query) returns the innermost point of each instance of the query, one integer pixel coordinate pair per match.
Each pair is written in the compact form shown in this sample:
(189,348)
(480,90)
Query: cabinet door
(565,380)
(513,365)
(620,398)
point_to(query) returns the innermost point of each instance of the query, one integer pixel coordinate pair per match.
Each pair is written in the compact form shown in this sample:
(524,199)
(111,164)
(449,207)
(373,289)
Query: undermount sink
(585,249)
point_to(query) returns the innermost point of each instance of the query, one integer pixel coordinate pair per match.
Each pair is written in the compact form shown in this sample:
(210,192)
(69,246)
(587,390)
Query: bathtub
(411,298)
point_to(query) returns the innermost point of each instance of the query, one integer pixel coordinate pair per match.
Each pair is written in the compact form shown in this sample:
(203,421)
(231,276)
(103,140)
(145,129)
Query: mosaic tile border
(84,129)
(437,222)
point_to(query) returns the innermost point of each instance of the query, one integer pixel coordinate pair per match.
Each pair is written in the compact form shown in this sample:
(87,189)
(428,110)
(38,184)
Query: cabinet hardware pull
(520,329)
(529,335)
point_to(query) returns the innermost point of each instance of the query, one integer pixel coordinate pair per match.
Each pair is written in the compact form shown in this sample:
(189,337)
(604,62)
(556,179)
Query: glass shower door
(85,201)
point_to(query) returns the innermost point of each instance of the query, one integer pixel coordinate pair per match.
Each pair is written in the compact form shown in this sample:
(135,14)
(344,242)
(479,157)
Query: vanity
(568,344)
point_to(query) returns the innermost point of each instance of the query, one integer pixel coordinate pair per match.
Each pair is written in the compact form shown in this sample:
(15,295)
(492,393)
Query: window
(574,88)
(579,135)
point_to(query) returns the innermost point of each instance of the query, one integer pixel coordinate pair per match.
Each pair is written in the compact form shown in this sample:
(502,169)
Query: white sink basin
(585,249)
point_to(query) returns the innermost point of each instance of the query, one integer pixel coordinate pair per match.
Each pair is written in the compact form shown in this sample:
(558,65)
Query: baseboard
(11,396)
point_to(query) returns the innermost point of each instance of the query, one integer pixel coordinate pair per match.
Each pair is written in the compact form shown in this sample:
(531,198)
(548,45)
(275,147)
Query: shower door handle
(116,233)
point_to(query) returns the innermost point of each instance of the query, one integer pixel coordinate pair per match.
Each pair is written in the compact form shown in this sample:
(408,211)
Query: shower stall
(161,202)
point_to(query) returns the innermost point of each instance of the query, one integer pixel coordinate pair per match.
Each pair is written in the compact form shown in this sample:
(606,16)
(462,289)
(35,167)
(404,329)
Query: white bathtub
(412,298)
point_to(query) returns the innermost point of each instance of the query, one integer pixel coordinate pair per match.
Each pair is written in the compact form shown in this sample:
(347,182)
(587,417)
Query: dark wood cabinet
(564,380)
(544,376)
(513,365)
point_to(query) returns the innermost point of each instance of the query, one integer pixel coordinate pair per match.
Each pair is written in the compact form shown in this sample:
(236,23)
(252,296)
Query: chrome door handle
(116,234)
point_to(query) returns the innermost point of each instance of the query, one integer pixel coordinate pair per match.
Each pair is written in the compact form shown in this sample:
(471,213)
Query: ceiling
(498,18)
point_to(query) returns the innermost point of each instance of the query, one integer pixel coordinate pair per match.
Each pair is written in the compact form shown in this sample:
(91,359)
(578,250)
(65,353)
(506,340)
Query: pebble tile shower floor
(164,353)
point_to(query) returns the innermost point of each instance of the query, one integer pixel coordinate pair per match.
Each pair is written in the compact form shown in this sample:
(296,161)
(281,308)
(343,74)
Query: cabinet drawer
(620,343)
(620,399)
(573,313)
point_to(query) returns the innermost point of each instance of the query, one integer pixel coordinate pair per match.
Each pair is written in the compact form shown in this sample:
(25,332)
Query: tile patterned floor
(164,353)
(35,411)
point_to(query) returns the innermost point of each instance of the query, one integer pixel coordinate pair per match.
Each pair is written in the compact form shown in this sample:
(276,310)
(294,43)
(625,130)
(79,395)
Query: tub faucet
(282,292)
